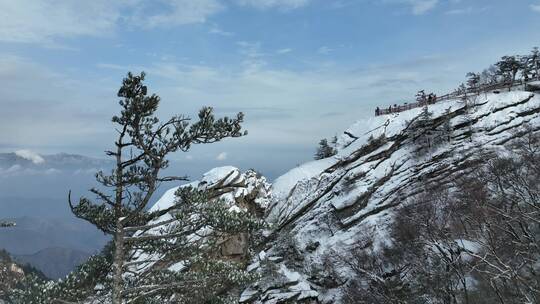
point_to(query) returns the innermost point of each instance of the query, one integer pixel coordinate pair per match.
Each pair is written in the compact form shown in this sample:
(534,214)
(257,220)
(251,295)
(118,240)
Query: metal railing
(477,90)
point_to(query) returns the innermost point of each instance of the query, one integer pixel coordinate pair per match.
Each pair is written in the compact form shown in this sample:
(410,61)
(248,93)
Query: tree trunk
(513,80)
(118,263)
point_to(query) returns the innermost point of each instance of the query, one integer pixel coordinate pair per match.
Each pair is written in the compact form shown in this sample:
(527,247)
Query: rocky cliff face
(326,206)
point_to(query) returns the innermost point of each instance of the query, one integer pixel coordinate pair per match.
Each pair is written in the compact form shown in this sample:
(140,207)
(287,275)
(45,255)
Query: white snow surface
(215,175)
(210,178)
(283,184)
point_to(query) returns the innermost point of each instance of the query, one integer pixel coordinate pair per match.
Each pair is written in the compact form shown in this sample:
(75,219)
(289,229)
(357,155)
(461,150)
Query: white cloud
(324,50)
(535,7)
(41,106)
(281,4)
(284,51)
(111,66)
(460,11)
(31,156)
(420,7)
(254,57)
(218,31)
(221,156)
(42,21)
(178,12)
(46,21)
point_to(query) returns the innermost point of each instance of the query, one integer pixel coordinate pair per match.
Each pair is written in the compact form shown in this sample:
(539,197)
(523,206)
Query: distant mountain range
(33,234)
(54,262)
(26,161)
(28,175)
(33,193)
(53,246)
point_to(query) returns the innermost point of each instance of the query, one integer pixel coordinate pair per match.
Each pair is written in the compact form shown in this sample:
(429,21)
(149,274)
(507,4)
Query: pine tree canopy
(324,150)
(120,207)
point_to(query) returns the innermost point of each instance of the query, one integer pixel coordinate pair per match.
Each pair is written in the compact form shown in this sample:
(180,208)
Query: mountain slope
(328,205)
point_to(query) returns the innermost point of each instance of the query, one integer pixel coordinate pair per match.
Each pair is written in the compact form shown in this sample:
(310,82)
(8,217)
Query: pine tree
(461,90)
(489,75)
(334,141)
(473,80)
(421,133)
(444,132)
(508,67)
(526,67)
(324,150)
(141,149)
(421,97)
(534,62)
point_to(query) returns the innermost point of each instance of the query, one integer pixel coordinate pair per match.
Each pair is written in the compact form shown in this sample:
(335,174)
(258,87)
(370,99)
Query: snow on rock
(166,201)
(283,184)
(222,175)
(328,205)
(242,191)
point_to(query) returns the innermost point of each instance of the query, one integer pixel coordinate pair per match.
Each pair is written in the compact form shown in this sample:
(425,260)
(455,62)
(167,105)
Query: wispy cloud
(254,56)
(111,66)
(46,21)
(460,11)
(324,50)
(177,12)
(417,7)
(281,4)
(31,156)
(284,51)
(41,106)
(420,7)
(468,10)
(218,31)
(42,21)
(536,7)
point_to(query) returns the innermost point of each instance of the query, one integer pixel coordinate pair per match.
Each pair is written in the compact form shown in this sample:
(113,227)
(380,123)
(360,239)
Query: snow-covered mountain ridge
(326,205)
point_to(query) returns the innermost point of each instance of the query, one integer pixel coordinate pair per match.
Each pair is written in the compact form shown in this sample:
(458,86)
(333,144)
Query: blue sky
(300,69)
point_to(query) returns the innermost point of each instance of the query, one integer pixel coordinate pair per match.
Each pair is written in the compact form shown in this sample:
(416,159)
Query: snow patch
(284,184)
